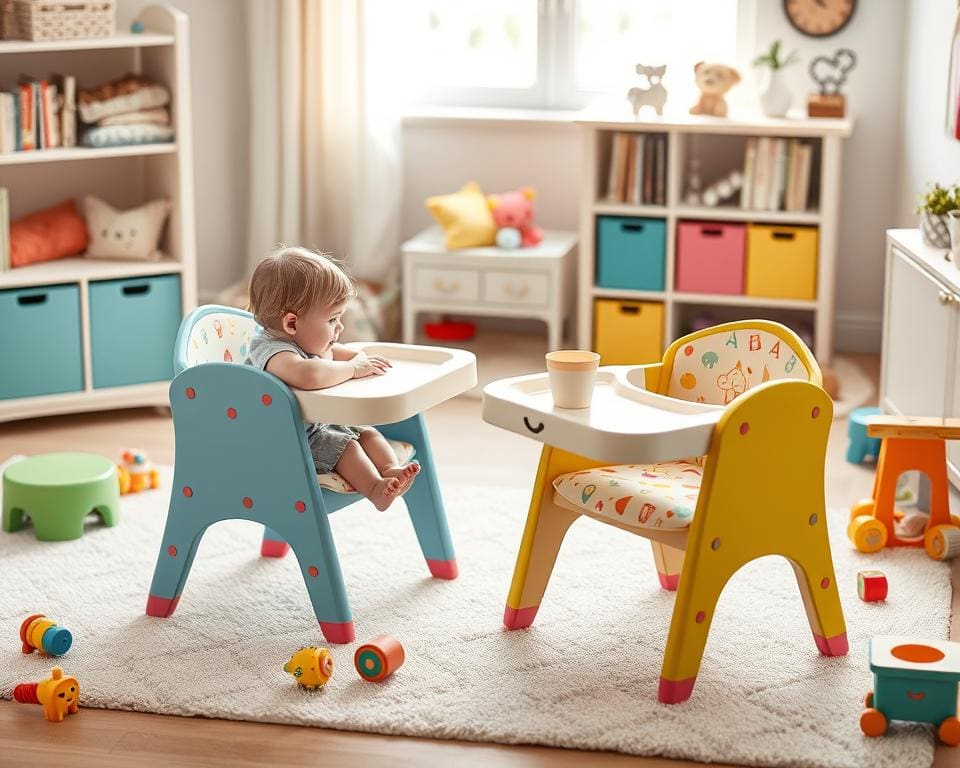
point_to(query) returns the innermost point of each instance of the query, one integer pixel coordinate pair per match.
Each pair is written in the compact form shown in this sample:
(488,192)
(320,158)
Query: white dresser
(919,373)
(535,282)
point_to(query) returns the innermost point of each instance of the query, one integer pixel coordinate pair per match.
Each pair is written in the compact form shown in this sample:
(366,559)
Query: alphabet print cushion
(131,234)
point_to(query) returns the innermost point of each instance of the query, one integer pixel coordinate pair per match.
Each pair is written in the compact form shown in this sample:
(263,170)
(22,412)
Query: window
(553,54)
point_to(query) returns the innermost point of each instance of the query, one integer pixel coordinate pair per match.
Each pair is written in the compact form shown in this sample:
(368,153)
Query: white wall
(440,158)
(926,153)
(220,136)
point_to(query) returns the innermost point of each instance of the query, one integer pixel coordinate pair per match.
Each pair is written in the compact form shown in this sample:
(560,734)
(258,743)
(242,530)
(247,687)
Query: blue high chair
(241,452)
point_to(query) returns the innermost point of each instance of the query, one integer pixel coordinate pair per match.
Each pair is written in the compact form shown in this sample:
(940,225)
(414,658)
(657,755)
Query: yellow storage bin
(628,332)
(782,261)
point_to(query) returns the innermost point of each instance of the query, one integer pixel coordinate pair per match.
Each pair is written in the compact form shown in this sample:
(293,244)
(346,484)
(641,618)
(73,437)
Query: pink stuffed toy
(514,210)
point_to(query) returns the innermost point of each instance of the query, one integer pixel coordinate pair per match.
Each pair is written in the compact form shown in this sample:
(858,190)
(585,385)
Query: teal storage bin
(40,346)
(133,326)
(631,253)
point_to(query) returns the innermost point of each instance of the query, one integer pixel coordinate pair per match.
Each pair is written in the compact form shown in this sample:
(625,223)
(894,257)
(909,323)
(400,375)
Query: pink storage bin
(710,256)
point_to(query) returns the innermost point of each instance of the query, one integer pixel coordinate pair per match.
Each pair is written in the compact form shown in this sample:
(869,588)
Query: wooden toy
(379,658)
(136,473)
(914,680)
(909,443)
(39,633)
(653,94)
(871,586)
(311,667)
(57,491)
(58,694)
(242,453)
(747,396)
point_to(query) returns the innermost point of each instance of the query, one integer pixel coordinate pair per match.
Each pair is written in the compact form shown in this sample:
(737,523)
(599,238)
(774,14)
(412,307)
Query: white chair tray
(421,377)
(624,423)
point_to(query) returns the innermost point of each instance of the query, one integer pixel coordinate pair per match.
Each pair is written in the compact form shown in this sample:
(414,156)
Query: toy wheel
(123,477)
(868,700)
(955,520)
(867,534)
(942,542)
(873,723)
(949,731)
(154,479)
(862,507)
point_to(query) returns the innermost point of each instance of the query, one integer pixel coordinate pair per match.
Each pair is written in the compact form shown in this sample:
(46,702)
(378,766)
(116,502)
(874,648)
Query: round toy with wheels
(942,542)
(867,534)
(378,659)
(862,507)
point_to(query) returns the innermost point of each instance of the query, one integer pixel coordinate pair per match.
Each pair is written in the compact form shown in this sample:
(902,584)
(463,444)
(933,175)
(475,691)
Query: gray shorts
(328,442)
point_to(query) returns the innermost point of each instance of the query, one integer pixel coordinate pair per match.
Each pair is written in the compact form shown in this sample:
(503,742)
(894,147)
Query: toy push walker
(915,681)
(909,443)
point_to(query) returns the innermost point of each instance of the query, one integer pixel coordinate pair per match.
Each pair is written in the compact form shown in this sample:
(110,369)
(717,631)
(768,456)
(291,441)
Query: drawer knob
(945,298)
(452,287)
(515,291)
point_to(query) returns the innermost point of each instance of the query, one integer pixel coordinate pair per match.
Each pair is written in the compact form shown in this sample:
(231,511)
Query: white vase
(775,99)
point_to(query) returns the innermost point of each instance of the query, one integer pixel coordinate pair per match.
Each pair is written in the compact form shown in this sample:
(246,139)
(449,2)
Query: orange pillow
(49,234)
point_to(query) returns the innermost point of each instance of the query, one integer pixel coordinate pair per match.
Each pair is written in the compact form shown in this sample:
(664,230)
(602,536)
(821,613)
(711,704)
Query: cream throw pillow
(465,217)
(132,234)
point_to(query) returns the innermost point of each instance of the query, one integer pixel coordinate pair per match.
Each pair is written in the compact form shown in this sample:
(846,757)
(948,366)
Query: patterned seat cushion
(660,495)
(334,482)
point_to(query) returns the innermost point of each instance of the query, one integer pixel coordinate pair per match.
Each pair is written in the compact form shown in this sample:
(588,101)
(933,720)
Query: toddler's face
(319,327)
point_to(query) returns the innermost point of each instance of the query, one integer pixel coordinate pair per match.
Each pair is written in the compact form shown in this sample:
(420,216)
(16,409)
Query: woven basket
(57,19)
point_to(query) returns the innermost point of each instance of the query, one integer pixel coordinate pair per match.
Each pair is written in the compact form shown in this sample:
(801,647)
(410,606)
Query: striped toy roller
(379,658)
(42,634)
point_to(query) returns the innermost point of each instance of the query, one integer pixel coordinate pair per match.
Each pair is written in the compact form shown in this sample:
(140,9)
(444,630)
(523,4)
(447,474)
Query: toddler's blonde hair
(295,279)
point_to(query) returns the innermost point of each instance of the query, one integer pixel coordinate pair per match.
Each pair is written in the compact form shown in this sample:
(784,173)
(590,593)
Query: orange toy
(379,658)
(909,443)
(136,473)
(59,695)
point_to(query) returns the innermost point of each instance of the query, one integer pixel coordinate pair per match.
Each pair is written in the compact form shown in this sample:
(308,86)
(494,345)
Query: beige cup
(572,376)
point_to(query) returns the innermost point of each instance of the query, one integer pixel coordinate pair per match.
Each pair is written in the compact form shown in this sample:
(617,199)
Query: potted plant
(776,97)
(934,209)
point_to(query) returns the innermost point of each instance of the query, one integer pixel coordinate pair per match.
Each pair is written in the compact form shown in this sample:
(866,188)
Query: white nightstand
(532,282)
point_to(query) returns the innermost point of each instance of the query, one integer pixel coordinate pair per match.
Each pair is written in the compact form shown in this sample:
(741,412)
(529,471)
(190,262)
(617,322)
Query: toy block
(871,586)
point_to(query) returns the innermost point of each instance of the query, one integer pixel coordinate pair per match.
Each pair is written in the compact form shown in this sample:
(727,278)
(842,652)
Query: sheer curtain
(324,134)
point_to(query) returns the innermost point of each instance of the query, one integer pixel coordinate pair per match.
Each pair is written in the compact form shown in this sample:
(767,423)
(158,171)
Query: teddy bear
(713,80)
(513,215)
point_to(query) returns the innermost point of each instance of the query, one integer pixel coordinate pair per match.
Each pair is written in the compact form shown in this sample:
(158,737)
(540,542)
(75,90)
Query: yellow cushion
(464,216)
(660,495)
(335,482)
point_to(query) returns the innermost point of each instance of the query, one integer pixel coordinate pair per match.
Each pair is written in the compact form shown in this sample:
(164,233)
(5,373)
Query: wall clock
(819,18)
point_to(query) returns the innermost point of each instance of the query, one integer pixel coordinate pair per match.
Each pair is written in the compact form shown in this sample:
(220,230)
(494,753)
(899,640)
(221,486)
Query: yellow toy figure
(136,473)
(311,667)
(59,695)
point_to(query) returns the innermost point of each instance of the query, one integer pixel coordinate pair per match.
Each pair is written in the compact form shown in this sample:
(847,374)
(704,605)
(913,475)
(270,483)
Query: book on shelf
(68,112)
(4,229)
(28,117)
(630,174)
(660,182)
(635,196)
(776,174)
(8,123)
(49,122)
(615,180)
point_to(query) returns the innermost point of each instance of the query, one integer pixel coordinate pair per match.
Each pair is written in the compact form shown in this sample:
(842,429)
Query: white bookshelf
(123,176)
(682,131)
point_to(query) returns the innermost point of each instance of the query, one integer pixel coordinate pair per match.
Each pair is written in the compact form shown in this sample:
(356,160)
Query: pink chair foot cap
(670,582)
(338,631)
(271,548)
(443,569)
(832,646)
(518,618)
(675,691)
(161,607)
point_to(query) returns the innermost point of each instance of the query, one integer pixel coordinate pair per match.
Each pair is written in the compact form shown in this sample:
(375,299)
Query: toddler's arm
(340,352)
(316,373)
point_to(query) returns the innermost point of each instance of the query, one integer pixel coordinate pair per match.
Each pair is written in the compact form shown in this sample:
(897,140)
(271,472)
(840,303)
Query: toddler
(299,298)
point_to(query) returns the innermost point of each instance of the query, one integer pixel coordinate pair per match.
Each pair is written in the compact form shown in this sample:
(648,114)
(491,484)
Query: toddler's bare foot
(404,474)
(384,492)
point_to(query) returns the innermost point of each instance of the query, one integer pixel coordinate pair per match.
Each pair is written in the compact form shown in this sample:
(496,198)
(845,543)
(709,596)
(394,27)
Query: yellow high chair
(747,395)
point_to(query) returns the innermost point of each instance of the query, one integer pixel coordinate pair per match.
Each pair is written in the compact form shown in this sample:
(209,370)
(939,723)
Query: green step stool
(57,491)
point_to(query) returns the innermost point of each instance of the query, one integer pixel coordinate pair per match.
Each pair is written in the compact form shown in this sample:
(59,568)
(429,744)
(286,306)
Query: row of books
(638,169)
(39,114)
(776,174)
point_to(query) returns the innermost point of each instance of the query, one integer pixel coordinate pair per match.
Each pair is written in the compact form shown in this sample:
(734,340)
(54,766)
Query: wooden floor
(104,738)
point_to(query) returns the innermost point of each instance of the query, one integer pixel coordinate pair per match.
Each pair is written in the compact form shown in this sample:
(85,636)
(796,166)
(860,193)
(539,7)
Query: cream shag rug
(585,675)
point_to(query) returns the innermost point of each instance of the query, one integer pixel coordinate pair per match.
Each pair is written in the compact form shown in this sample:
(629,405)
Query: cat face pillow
(131,234)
